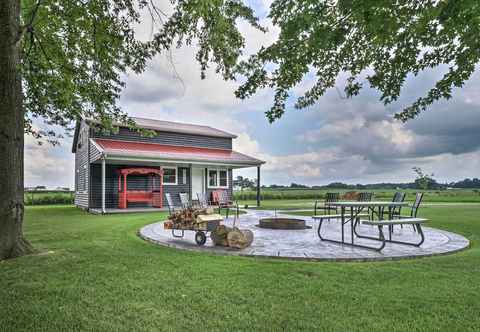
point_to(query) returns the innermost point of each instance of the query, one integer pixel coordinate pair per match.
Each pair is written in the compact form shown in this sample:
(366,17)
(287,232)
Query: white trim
(176,175)
(98,147)
(218,186)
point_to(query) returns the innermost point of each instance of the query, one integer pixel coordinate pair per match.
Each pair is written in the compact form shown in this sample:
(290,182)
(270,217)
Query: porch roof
(127,150)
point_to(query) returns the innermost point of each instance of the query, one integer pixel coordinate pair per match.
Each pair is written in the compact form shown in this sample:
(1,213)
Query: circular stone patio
(305,244)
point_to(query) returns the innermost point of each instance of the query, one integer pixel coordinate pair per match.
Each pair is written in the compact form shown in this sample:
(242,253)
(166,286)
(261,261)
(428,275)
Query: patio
(305,244)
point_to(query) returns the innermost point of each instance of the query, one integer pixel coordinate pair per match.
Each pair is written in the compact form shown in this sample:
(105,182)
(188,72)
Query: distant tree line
(424,183)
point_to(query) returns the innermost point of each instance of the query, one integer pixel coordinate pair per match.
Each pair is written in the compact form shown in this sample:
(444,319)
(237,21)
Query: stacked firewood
(186,218)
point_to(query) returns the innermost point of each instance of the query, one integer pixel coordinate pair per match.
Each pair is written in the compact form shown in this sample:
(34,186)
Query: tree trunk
(12,243)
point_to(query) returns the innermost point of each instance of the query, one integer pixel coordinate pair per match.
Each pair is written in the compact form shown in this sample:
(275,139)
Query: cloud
(48,165)
(351,140)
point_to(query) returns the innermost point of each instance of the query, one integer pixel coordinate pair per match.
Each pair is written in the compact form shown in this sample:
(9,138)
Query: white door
(197,182)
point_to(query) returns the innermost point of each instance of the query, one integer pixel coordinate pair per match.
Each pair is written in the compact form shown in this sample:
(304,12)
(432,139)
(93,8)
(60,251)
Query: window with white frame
(218,178)
(184,176)
(170,175)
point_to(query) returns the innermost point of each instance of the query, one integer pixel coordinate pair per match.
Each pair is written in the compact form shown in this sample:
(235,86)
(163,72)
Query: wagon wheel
(200,238)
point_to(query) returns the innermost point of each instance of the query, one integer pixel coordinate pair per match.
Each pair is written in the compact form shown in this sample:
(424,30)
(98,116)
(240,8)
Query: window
(184,176)
(222,175)
(212,178)
(169,175)
(81,179)
(218,178)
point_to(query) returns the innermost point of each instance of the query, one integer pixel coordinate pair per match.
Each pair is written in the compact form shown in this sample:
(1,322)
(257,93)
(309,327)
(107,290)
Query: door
(198,182)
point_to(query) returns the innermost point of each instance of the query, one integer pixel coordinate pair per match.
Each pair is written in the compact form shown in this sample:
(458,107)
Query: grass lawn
(100,276)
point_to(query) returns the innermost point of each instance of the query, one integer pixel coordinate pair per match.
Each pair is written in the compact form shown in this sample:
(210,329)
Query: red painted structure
(154,196)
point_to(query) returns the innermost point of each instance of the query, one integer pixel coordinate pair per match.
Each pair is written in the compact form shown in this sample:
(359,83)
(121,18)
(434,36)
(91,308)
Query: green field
(304,199)
(94,273)
(48,198)
(451,195)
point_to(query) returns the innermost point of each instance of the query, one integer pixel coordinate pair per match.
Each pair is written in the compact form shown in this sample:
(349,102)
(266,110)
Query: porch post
(258,186)
(103,185)
(189,179)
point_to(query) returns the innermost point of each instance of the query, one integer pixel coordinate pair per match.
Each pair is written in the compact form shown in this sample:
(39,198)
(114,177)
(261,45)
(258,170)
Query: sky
(348,140)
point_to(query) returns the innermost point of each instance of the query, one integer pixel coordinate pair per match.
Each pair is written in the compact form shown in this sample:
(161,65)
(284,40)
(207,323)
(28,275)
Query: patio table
(355,207)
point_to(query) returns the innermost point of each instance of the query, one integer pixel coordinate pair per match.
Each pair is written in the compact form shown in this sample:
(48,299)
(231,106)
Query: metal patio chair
(395,211)
(221,199)
(365,197)
(329,198)
(184,200)
(203,201)
(414,209)
(170,204)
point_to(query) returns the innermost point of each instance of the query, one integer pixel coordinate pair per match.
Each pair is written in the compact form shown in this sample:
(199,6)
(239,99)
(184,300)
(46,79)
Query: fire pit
(282,223)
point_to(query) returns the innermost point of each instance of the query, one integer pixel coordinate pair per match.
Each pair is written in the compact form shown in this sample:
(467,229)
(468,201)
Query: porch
(181,169)
(107,185)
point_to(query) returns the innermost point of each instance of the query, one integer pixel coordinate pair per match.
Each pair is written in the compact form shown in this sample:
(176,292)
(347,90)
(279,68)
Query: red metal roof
(117,148)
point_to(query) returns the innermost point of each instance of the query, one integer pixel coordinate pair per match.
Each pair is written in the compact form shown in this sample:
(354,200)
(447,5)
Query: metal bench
(417,222)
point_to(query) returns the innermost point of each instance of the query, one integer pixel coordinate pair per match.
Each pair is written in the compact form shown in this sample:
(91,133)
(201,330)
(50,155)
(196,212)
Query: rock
(239,238)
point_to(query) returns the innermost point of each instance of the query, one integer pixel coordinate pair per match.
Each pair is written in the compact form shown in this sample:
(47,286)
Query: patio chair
(170,205)
(220,198)
(184,200)
(203,201)
(414,209)
(329,198)
(365,197)
(395,211)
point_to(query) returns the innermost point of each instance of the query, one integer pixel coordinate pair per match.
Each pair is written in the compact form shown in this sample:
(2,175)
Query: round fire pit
(282,223)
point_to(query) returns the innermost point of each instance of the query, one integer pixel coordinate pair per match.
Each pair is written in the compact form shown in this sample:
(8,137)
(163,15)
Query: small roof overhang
(116,150)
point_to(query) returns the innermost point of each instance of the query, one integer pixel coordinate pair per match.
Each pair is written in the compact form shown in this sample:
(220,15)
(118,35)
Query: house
(126,170)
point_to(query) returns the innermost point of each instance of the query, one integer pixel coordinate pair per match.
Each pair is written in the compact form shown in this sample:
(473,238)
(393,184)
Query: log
(219,235)
(239,238)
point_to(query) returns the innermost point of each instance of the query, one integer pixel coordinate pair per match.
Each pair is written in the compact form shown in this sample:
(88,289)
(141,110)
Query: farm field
(304,199)
(48,197)
(94,273)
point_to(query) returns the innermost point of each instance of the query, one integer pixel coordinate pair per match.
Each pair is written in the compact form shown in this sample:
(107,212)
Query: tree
(376,43)
(243,182)
(424,181)
(62,60)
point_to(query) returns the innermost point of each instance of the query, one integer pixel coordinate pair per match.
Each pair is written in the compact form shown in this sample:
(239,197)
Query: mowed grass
(95,274)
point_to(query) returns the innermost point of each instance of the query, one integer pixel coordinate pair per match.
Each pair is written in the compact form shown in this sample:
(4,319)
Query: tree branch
(29,26)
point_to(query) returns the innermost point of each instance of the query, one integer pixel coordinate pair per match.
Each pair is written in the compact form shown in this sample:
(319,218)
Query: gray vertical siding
(82,167)
(170,139)
(133,183)
(90,195)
